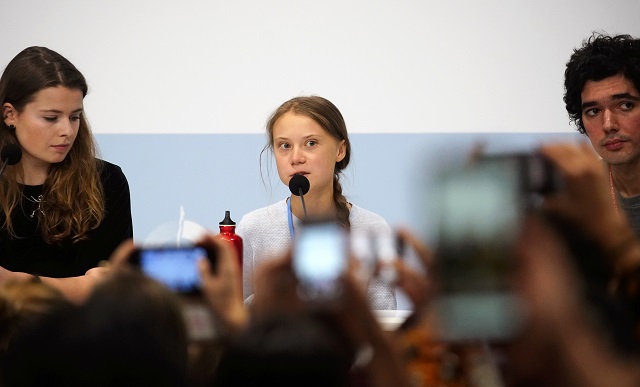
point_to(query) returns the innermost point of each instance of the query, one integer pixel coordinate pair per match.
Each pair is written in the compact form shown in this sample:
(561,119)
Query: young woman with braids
(308,136)
(62,210)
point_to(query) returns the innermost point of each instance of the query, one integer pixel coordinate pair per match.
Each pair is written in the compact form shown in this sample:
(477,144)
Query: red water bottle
(228,232)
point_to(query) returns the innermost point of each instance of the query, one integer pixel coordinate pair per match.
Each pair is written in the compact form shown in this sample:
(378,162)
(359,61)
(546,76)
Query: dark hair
(601,56)
(130,332)
(327,115)
(285,351)
(24,304)
(73,194)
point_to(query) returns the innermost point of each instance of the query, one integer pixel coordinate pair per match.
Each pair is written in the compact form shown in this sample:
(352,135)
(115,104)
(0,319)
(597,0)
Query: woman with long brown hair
(62,209)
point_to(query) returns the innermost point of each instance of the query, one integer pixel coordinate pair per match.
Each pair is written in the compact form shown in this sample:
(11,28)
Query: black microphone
(299,185)
(10,155)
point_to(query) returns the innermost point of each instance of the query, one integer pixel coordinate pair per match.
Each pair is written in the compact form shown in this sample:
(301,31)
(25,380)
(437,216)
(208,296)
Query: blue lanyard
(290,217)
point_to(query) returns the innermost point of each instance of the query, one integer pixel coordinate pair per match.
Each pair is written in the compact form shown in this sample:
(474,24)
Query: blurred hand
(120,256)
(5,275)
(222,286)
(276,289)
(354,313)
(546,281)
(587,198)
(97,274)
(277,294)
(550,288)
(416,285)
(8,275)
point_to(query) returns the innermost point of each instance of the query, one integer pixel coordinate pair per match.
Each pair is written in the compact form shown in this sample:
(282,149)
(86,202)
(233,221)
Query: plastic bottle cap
(227,219)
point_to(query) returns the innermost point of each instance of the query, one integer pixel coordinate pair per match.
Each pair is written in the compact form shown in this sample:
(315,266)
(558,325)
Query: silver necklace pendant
(34,200)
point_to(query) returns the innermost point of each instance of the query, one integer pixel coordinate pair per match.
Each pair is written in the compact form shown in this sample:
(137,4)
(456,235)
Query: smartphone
(320,258)
(176,267)
(536,175)
(480,211)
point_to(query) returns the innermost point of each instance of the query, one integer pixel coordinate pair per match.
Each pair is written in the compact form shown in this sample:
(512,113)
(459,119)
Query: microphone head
(11,154)
(297,182)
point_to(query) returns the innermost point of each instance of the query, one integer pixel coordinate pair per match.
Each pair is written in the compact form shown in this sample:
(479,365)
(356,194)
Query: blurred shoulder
(362,219)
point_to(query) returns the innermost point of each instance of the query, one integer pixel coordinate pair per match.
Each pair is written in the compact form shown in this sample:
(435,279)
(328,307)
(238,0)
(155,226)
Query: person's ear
(342,151)
(8,113)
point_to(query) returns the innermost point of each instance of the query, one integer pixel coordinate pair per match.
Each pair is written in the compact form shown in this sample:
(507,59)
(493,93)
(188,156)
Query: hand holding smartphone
(480,213)
(176,267)
(320,258)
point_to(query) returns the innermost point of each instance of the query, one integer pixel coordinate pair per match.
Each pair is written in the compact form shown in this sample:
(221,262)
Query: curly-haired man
(602,79)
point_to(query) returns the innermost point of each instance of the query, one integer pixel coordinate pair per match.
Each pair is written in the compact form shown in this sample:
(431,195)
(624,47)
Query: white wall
(211,66)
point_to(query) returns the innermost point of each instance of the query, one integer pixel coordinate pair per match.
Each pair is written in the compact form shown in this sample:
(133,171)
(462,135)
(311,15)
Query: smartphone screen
(174,267)
(319,259)
(480,213)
